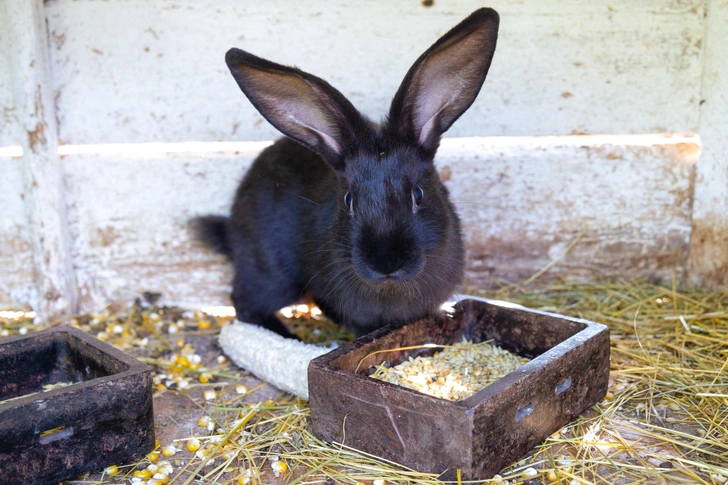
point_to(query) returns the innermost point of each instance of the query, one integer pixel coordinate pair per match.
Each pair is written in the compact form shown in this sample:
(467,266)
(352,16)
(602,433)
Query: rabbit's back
(280,210)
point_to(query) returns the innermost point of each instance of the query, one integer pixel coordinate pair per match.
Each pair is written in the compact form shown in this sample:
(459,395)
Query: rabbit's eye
(348,201)
(417,195)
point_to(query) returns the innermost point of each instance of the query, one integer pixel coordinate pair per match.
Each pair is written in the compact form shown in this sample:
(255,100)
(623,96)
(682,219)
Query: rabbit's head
(394,214)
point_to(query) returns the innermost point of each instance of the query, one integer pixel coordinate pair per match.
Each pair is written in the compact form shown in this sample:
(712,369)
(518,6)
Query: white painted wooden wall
(124,86)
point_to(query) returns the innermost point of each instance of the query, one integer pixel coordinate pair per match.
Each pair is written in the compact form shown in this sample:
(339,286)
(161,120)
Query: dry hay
(665,418)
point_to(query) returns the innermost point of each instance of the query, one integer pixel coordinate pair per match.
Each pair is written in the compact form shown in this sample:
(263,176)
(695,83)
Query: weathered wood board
(521,205)
(132,72)
(17,276)
(44,193)
(139,71)
(709,242)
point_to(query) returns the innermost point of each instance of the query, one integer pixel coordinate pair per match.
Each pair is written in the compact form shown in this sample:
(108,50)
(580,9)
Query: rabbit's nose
(386,264)
(388,255)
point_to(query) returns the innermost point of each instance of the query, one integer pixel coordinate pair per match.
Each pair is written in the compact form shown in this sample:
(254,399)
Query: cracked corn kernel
(142,474)
(193,444)
(209,395)
(279,467)
(163,478)
(169,450)
(529,473)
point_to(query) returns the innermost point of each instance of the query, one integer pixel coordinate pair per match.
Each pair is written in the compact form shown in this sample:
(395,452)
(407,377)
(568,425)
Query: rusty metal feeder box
(102,418)
(567,373)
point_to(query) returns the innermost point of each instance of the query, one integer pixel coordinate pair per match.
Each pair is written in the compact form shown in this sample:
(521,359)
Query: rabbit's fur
(352,213)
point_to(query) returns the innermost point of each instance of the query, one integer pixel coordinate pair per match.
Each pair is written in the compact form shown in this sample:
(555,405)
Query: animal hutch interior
(590,177)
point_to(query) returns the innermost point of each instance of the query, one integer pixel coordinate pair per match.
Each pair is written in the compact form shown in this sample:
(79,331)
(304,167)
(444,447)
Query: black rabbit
(349,212)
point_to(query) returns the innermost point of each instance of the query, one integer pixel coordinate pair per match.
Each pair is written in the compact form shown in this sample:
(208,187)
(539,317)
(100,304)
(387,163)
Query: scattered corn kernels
(209,395)
(112,470)
(205,378)
(203,421)
(221,359)
(193,444)
(166,466)
(203,324)
(153,456)
(169,450)
(241,389)
(551,476)
(153,468)
(379,481)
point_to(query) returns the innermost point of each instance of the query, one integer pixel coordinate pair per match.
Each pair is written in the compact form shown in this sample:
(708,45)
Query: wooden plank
(709,241)
(17,281)
(138,71)
(42,176)
(521,202)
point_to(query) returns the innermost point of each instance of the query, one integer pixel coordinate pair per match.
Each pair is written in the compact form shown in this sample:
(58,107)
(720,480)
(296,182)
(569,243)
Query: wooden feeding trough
(479,435)
(98,413)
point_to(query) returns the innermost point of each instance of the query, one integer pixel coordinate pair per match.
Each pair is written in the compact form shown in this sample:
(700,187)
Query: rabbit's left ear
(299,104)
(445,80)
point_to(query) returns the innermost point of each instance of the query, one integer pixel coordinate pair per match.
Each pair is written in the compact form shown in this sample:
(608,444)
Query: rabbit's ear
(300,105)
(445,80)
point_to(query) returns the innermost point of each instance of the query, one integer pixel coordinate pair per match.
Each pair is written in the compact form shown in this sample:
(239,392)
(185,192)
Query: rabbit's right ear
(445,80)
(300,105)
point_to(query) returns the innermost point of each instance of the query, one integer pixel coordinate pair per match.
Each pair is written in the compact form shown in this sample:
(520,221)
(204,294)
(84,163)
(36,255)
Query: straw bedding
(664,420)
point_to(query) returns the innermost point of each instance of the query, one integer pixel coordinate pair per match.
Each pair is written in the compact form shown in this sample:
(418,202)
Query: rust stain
(8,115)
(16,245)
(107,236)
(566,95)
(58,39)
(36,138)
(96,51)
(445,173)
